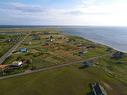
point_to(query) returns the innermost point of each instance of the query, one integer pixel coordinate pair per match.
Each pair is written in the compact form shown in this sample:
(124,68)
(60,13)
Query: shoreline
(95,41)
(105,45)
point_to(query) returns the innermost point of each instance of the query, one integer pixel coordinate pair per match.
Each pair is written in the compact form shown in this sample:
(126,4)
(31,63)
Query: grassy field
(4,47)
(71,80)
(63,81)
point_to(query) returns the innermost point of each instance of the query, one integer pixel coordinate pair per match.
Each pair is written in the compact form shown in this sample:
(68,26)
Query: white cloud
(94,13)
(89,12)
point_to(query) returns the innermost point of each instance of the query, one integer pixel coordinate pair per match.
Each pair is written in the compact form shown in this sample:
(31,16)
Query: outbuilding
(35,37)
(16,64)
(88,64)
(23,50)
(118,55)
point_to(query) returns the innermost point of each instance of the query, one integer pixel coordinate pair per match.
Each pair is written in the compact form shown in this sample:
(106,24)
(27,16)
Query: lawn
(63,81)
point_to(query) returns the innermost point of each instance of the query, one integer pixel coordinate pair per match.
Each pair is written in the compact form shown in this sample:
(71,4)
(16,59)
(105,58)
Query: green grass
(4,47)
(67,80)
(63,81)
(117,70)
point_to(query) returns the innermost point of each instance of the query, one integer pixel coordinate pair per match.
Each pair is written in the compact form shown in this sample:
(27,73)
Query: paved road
(47,68)
(9,53)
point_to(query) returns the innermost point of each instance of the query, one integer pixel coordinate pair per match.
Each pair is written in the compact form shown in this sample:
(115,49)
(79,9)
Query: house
(51,38)
(97,89)
(91,47)
(23,50)
(22,63)
(118,54)
(16,64)
(35,37)
(82,52)
(87,63)
(46,33)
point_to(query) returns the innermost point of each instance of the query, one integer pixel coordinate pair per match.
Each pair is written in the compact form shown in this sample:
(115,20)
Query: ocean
(115,37)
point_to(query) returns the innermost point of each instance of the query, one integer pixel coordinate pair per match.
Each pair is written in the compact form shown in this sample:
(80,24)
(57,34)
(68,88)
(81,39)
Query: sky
(64,12)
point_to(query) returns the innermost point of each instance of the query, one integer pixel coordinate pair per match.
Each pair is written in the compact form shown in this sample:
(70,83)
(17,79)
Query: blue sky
(63,12)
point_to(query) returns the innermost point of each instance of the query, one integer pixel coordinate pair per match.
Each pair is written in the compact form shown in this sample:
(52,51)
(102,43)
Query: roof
(118,55)
(23,49)
(98,89)
(88,63)
(35,37)
(3,66)
(17,63)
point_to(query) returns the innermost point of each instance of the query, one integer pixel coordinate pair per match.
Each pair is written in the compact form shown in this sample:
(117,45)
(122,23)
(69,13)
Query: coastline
(105,44)
(94,41)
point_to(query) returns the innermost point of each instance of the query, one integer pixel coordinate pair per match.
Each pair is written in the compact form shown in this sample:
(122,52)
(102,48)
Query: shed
(46,33)
(51,38)
(87,63)
(35,37)
(81,53)
(23,50)
(118,55)
(16,64)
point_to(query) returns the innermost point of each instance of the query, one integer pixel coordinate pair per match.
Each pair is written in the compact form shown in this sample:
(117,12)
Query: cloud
(82,12)
(22,8)
(88,12)
(25,8)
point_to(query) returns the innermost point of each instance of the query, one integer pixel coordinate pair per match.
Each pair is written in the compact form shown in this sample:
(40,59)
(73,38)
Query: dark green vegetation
(59,49)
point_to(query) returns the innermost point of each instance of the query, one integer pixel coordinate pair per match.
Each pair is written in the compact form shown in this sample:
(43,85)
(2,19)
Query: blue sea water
(115,37)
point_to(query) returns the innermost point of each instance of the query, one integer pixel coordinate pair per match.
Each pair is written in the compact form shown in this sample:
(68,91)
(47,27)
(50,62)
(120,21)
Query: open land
(49,47)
